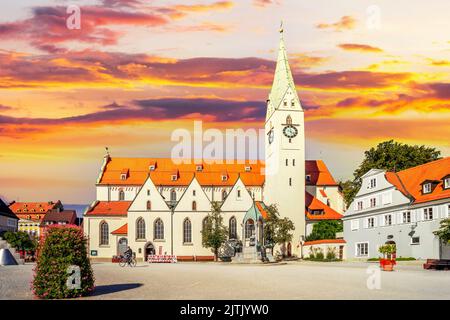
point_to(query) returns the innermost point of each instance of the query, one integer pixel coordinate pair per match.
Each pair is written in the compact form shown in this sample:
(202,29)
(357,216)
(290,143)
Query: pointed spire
(283,79)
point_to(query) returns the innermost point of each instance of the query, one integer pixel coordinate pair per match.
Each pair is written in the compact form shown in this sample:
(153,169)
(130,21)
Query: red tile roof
(262,208)
(67,216)
(34,210)
(211,173)
(312,203)
(165,168)
(409,181)
(109,208)
(322,192)
(319,173)
(325,241)
(122,230)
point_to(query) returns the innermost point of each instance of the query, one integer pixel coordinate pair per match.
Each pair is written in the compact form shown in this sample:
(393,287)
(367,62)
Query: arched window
(187,231)
(224,194)
(159,229)
(121,195)
(104,234)
(288,120)
(173,195)
(205,224)
(149,205)
(232,228)
(140,229)
(194,206)
(249,228)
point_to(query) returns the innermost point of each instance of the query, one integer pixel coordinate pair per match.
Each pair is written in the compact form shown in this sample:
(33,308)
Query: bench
(437,264)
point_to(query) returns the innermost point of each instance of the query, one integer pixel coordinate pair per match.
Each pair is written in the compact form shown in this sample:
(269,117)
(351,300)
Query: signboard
(94,253)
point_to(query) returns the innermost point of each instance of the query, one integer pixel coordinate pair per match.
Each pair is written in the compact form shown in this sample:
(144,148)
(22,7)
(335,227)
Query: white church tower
(285,149)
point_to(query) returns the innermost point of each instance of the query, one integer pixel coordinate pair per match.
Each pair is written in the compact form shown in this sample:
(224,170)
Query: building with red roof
(403,208)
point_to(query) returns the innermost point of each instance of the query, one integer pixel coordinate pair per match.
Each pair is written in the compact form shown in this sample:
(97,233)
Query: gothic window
(159,229)
(187,231)
(288,120)
(249,228)
(205,224)
(232,228)
(149,205)
(173,195)
(224,194)
(194,206)
(104,234)
(140,229)
(121,195)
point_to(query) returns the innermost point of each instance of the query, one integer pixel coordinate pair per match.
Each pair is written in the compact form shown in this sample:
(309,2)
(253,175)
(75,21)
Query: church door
(289,249)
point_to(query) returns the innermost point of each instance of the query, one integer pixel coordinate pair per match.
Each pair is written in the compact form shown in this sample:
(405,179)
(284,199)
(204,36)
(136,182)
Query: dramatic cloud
(345,23)
(359,47)
(264,3)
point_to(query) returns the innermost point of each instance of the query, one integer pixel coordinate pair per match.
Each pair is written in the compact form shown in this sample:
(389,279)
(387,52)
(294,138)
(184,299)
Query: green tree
(325,229)
(20,240)
(391,156)
(277,230)
(214,233)
(62,248)
(444,231)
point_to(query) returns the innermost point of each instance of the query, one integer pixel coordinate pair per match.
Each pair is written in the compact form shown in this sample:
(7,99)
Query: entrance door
(149,249)
(122,246)
(341,252)
(289,249)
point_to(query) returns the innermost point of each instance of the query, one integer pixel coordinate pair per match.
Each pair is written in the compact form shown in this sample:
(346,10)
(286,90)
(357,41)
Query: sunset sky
(137,70)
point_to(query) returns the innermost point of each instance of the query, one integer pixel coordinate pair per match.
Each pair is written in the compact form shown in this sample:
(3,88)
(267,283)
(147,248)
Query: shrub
(331,253)
(319,254)
(62,247)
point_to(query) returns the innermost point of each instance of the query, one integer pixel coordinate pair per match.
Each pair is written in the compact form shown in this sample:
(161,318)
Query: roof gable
(234,202)
(139,202)
(200,198)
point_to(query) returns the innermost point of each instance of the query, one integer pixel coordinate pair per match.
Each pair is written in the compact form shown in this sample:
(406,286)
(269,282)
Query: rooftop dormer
(124,174)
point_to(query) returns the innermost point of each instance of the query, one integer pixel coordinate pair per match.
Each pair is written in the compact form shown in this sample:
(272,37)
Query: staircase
(16,255)
(248,255)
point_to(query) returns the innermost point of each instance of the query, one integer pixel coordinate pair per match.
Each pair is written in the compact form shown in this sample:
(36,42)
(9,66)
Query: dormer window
(447,182)
(174,176)
(124,174)
(308,178)
(224,177)
(426,187)
(152,166)
(373,183)
(199,167)
(248,168)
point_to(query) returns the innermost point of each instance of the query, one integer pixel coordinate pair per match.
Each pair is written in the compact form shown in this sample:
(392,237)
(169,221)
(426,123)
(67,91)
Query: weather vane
(281,26)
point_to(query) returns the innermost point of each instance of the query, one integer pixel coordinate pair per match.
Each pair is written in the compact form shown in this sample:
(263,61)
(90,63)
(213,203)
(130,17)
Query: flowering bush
(60,248)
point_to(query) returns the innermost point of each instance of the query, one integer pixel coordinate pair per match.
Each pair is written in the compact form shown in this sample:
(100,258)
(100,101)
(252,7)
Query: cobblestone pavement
(294,280)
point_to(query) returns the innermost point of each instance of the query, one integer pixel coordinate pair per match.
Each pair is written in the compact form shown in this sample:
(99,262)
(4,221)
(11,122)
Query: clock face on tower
(271,133)
(290,131)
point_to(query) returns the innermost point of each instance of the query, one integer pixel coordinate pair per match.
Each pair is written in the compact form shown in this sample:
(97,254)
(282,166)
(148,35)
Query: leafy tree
(391,156)
(325,229)
(444,231)
(61,248)
(277,230)
(214,234)
(20,240)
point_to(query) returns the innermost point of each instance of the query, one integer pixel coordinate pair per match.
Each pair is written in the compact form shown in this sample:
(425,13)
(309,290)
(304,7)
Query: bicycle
(130,261)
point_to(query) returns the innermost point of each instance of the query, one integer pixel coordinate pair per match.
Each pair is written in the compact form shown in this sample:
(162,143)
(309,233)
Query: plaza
(299,280)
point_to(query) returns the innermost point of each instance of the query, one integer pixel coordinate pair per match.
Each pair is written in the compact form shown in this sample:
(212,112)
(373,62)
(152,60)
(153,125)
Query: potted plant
(388,261)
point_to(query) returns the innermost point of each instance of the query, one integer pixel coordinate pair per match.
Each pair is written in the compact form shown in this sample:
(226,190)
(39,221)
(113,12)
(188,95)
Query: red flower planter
(387,264)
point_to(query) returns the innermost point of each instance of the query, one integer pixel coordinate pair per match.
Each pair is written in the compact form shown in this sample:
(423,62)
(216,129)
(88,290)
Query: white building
(156,206)
(401,208)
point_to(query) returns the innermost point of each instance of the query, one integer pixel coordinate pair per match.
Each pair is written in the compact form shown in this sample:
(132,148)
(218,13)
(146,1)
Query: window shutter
(375,222)
(366,223)
(381,220)
(413,216)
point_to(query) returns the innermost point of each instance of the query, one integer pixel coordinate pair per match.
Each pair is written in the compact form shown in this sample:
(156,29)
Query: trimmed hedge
(61,248)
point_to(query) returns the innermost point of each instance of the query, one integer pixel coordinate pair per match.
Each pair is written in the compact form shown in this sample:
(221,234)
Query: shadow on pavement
(112,288)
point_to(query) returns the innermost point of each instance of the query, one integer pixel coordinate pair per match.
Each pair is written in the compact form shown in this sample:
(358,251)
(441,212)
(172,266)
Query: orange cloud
(345,23)
(359,47)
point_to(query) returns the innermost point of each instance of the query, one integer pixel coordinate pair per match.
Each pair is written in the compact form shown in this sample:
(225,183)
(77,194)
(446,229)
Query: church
(158,207)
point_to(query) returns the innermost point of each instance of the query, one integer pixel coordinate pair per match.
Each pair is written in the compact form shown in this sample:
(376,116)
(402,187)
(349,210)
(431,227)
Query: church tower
(285,149)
